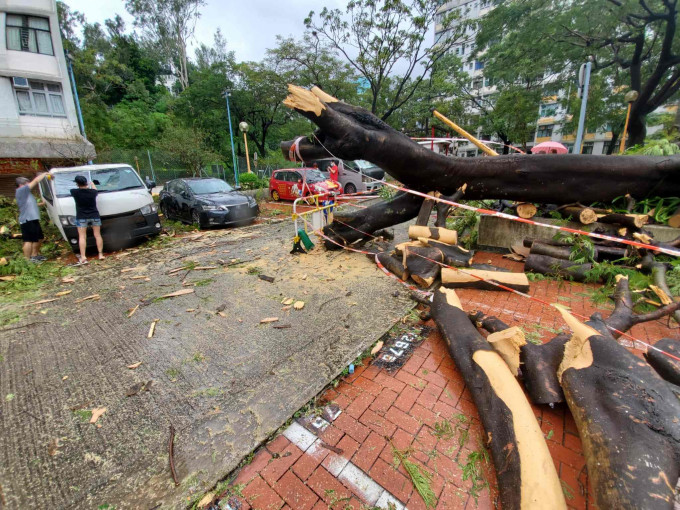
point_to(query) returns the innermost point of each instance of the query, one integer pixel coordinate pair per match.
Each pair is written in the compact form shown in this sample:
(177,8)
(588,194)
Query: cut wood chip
(180,292)
(63,293)
(299,305)
(207,499)
(64,378)
(287,301)
(221,314)
(68,279)
(132,311)
(139,277)
(514,256)
(268,320)
(128,269)
(7,278)
(377,347)
(665,299)
(53,447)
(286,308)
(135,365)
(204,268)
(152,328)
(176,270)
(88,298)
(96,413)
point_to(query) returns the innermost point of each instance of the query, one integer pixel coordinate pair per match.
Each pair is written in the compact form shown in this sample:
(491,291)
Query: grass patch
(203,282)
(83,414)
(173,373)
(254,270)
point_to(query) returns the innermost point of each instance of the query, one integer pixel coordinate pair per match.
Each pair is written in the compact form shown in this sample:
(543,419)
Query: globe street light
(243,126)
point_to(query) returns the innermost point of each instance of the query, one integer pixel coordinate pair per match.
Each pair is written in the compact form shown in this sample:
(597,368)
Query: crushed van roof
(88,167)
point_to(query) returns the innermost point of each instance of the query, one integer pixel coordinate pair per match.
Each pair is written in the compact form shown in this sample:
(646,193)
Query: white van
(353,176)
(125,204)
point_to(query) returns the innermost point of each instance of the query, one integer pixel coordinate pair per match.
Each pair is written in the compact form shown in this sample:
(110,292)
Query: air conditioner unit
(19,83)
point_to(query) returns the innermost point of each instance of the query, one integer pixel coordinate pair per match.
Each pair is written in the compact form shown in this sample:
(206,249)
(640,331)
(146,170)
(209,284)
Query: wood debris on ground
(63,293)
(96,414)
(180,292)
(132,311)
(135,365)
(152,328)
(267,320)
(94,297)
(299,305)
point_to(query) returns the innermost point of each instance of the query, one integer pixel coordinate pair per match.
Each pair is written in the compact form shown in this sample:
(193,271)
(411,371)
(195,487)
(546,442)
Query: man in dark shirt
(87,215)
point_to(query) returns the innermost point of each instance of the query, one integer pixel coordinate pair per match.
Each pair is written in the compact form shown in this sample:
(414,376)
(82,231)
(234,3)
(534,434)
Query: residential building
(39,125)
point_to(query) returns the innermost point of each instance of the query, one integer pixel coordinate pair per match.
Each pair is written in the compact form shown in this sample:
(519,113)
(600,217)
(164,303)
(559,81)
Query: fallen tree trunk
(425,210)
(630,221)
(400,208)
(551,266)
(454,255)
(444,209)
(526,474)
(350,132)
(454,279)
(602,251)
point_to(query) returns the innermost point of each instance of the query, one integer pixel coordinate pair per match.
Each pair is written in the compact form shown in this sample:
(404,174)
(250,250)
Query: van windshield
(108,180)
(315,176)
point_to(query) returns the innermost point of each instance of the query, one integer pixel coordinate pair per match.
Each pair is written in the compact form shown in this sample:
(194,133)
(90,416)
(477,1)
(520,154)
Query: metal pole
(153,175)
(582,116)
(462,132)
(231,137)
(245,140)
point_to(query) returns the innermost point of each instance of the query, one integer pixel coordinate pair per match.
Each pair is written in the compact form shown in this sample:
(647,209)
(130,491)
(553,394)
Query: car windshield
(315,176)
(107,180)
(362,164)
(208,186)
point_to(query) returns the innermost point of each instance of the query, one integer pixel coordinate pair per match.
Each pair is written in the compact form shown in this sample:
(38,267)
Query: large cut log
(631,221)
(400,208)
(423,264)
(602,251)
(667,367)
(475,279)
(549,250)
(350,132)
(551,266)
(627,418)
(525,210)
(526,474)
(393,265)
(437,233)
(454,255)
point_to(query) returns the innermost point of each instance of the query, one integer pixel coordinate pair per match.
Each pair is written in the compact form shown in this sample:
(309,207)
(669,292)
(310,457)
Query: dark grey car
(206,202)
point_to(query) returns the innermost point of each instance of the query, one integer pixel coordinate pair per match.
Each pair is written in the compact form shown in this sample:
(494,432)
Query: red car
(292,183)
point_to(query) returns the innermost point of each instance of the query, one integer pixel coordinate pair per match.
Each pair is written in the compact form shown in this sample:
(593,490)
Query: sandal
(82,262)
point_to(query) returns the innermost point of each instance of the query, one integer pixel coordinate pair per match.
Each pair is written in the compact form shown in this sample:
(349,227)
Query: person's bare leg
(35,249)
(27,248)
(100,242)
(82,242)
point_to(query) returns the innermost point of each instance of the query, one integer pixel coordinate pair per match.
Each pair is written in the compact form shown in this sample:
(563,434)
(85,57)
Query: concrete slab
(223,380)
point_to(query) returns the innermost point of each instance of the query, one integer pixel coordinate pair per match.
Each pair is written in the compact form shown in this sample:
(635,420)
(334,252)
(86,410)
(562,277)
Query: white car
(125,204)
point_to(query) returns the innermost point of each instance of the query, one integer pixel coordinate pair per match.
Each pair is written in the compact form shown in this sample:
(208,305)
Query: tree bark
(400,208)
(665,366)
(444,209)
(584,215)
(351,133)
(526,474)
(551,266)
(463,280)
(421,263)
(454,255)
(393,265)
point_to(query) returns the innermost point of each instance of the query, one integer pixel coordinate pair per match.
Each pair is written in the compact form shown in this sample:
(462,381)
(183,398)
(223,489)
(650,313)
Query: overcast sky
(250,26)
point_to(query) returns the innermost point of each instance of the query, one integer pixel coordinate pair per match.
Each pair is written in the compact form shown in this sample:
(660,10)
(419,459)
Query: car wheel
(275,196)
(164,211)
(350,189)
(195,218)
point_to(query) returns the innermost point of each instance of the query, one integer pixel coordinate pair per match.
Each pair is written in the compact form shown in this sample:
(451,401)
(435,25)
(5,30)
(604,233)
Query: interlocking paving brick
(261,496)
(295,493)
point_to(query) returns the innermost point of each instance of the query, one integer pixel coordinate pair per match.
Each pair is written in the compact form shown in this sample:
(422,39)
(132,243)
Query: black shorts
(31,231)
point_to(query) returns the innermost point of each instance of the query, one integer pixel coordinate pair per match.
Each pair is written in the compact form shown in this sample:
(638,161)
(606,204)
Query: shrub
(251,181)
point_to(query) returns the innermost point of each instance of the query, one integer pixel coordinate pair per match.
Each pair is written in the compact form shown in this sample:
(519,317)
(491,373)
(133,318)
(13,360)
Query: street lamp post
(630,98)
(243,126)
(584,82)
(227,95)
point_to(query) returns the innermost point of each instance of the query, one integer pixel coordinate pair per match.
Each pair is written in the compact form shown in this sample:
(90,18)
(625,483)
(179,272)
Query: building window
(39,98)
(544,131)
(570,147)
(29,33)
(547,110)
(587,148)
(479,65)
(470,154)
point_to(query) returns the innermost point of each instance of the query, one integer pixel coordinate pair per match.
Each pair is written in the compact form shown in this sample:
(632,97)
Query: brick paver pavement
(351,462)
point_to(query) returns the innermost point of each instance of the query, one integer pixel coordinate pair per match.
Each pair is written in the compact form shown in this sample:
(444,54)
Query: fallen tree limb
(665,366)
(464,280)
(551,266)
(444,209)
(400,208)
(422,264)
(393,265)
(526,474)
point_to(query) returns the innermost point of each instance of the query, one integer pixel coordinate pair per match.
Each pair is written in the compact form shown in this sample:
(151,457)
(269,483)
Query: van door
(48,196)
(350,176)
